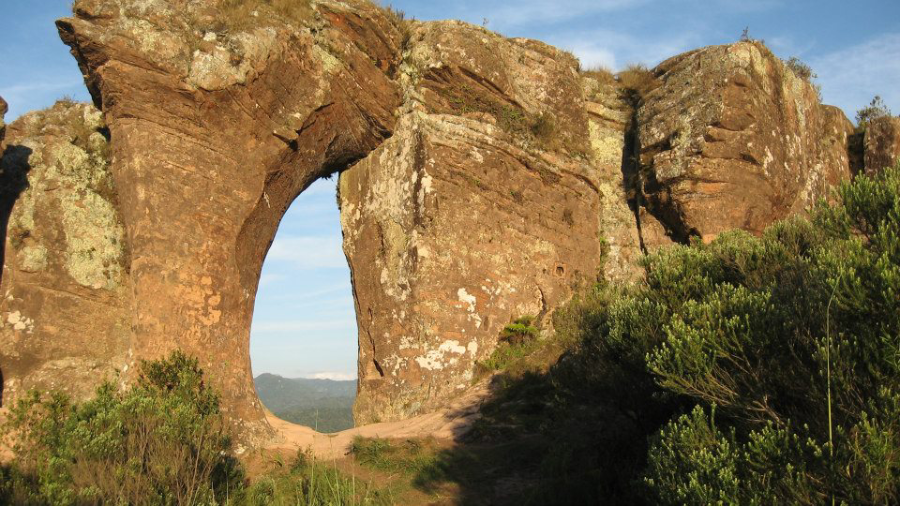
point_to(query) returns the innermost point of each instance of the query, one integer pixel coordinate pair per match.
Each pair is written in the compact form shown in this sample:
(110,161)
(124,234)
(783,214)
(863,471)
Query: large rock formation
(65,317)
(882,143)
(733,138)
(481,208)
(482,179)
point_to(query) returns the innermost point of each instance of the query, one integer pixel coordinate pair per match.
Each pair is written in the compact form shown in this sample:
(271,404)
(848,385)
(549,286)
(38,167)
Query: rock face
(3,108)
(882,143)
(732,138)
(482,179)
(469,216)
(64,317)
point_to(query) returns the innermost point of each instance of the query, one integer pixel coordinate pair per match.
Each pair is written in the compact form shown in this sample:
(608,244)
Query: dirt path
(447,423)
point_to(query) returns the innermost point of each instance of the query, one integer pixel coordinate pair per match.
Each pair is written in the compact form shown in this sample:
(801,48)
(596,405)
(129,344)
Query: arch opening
(303,337)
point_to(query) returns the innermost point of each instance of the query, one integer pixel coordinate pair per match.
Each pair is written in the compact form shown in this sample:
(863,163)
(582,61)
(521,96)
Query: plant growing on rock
(876,109)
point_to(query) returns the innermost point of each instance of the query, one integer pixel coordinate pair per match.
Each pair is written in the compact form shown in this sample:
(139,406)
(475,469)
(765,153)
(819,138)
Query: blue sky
(304,323)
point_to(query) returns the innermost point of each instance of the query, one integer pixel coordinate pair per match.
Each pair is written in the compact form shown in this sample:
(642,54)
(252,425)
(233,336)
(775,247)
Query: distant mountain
(325,405)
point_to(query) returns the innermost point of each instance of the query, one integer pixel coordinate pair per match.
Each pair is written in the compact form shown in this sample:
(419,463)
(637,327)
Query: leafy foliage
(781,350)
(876,109)
(162,442)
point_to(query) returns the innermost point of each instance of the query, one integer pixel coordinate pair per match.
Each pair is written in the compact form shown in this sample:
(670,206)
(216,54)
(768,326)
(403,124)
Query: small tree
(876,109)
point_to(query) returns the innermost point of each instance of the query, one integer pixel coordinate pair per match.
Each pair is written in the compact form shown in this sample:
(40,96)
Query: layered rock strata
(482,179)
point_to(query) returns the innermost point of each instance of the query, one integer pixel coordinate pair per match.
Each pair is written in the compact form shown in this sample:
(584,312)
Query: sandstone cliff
(482,179)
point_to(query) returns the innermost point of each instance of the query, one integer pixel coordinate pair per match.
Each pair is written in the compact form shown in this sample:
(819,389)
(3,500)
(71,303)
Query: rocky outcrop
(732,138)
(482,179)
(882,143)
(65,313)
(219,117)
(3,109)
(483,207)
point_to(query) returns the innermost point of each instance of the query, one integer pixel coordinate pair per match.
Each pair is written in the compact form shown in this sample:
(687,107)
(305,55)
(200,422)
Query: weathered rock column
(215,130)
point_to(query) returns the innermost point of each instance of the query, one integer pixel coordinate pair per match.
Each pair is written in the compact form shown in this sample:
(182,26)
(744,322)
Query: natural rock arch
(481,180)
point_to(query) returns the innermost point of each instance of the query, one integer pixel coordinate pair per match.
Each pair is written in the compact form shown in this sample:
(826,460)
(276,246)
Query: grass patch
(602,75)
(305,481)
(247,14)
(638,79)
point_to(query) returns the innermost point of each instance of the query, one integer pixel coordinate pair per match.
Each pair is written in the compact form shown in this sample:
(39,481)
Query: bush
(162,442)
(876,109)
(758,367)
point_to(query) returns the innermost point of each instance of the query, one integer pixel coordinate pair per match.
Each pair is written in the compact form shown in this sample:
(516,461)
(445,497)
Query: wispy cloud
(522,13)
(614,49)
(852,76)
(309,252)
(23,97)
(329,375)
(283,326)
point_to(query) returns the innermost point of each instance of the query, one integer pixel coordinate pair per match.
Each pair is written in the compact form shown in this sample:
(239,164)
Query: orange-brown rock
(482,179)
(732,138)
(483,207)
(65,319)
(219,119)
(882,143)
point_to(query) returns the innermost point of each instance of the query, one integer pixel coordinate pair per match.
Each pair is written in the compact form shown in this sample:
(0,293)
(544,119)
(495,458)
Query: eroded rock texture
(3,108)
(65,313)
(470,216)
(882,143)
(219,118)
(483,179)
(732,138)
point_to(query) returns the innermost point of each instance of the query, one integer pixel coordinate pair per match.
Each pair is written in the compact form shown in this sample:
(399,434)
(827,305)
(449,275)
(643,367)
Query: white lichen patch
(17,321)
(436,360)
(467,299)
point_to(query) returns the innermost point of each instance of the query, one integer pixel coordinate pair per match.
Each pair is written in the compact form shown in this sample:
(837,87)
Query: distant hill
(326,405)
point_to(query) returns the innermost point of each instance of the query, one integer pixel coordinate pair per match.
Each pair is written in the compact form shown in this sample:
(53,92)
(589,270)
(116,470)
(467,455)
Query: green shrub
(758,367)
(162,442)
(876,109)
(520,330)
(307,482)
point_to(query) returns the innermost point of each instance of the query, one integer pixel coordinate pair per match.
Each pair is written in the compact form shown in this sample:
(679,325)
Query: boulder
(483,207)
(732,138)
(882,143)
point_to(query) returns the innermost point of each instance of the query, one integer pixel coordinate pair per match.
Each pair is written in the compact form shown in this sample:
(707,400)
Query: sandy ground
(448,423)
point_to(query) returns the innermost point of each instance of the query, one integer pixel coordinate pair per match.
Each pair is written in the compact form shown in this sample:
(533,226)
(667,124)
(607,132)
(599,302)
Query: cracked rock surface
(481,179)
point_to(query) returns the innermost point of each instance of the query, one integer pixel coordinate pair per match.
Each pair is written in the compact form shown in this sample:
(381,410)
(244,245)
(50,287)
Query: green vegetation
(805,72)
(162,442)
(308,483)
(518,340)
(738,371)
(638,80)
(324,405)
(876,109)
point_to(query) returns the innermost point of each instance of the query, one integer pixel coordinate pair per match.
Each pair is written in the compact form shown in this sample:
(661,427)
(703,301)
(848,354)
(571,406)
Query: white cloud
(615,49)
(309,252)
(23,97)
(336,376)
(850,77)
(515,14)
(282,326)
